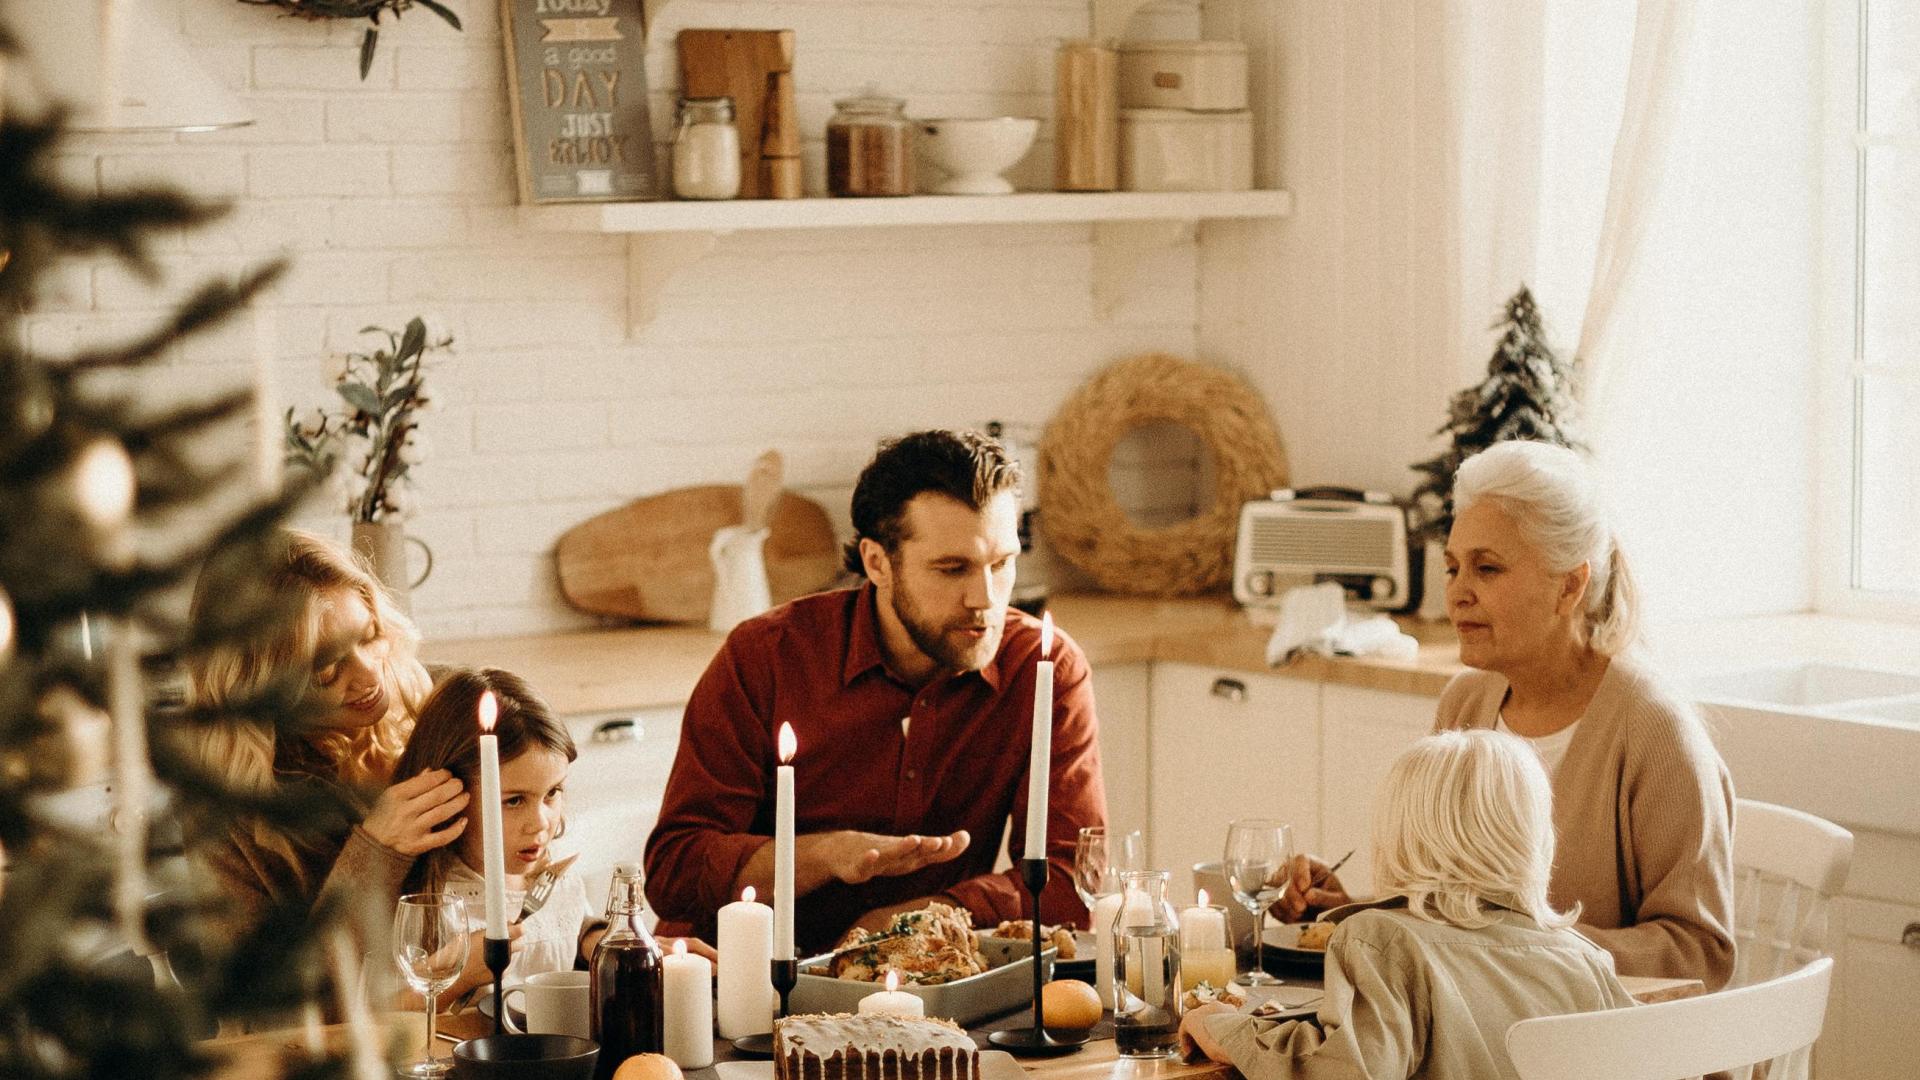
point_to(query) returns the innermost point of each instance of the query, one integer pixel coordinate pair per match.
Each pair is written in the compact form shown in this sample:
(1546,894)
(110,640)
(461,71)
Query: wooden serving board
(648,559)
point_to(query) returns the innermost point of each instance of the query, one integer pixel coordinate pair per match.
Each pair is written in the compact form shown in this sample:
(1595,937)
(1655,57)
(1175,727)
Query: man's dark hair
(965,465)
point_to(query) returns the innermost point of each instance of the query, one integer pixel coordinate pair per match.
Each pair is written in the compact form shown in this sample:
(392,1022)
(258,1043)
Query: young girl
(535,753)
(1426,982)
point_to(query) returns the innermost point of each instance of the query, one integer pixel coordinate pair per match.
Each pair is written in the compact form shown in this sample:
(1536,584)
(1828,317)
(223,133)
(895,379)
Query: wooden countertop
(638,667)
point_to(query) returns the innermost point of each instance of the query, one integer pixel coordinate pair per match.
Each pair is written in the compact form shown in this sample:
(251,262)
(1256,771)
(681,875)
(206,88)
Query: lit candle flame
(747,894)
(680,947)
(489,711)
(1202,900)
(1046,635)
(788,744)
(893,981)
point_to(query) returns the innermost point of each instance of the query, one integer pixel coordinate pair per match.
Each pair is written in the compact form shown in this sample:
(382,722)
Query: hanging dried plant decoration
(370,10)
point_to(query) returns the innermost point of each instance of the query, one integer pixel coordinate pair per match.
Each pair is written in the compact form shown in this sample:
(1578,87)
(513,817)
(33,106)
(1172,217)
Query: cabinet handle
(619,729)
(1231,689)
(1910,937)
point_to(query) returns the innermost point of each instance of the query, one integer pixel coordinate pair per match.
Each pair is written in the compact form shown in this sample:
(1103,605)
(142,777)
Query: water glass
(430,948)
(1258,858)
(1100,857)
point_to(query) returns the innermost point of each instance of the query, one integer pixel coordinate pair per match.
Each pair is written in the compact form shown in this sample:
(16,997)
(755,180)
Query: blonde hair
(1557,502)
(316,568)
(1464,823)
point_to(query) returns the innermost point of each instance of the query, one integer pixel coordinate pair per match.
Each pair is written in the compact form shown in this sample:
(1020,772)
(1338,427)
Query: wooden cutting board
(755,69)
(648,559)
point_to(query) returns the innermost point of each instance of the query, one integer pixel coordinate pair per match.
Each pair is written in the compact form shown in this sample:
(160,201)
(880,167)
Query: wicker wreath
(1090,530)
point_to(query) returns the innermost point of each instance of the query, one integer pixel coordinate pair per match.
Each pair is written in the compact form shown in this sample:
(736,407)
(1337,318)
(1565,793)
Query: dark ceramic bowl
(525,1057)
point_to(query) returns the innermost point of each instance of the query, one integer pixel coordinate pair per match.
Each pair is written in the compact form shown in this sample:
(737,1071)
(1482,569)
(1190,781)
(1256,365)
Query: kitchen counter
(637,667)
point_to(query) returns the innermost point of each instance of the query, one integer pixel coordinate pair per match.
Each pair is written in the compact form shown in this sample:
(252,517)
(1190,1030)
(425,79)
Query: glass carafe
(628,1000)
(1146,967)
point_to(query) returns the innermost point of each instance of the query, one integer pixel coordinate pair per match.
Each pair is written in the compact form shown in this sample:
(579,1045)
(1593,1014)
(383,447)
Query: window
(1872,552)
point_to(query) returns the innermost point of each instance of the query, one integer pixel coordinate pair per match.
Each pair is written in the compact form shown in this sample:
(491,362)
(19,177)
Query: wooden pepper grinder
(780,137)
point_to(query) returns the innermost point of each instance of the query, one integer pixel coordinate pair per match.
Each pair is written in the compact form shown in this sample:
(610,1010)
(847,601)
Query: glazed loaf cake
(872,1046)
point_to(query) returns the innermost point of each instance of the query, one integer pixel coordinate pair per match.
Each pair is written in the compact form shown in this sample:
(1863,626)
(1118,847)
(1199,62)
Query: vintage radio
(1357,539)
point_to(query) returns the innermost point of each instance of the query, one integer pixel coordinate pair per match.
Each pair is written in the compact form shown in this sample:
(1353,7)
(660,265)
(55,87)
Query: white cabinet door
(1361,732)
(1873,1025)
(1120,701)
(1228,744)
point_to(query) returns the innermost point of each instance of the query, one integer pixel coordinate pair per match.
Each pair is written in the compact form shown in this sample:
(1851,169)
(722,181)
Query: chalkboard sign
(577,79)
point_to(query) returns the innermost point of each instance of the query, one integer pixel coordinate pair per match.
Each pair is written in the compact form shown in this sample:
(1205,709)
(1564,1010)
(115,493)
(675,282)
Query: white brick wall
(393,197)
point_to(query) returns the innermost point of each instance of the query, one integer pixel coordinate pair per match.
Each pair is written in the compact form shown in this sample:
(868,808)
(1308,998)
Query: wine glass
(1259,857)
(1099,858)
(430,946)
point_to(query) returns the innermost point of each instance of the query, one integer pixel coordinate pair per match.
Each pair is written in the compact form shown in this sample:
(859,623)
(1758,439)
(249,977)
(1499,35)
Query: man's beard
(935,639)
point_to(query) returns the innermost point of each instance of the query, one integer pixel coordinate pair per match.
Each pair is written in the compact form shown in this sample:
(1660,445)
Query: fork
(542,887)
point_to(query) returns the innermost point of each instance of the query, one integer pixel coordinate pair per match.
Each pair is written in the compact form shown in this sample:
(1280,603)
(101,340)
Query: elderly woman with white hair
(1426,982)
(1541,597)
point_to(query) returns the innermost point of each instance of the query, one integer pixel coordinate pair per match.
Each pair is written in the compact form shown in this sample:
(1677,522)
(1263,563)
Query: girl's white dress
(552,936)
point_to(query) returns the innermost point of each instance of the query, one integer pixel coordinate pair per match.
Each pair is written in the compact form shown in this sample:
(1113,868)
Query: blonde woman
(1425,982)
(356,654)
(1541,596)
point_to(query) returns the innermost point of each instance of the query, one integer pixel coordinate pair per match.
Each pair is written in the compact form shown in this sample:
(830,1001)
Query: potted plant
(370,445)
(370,10)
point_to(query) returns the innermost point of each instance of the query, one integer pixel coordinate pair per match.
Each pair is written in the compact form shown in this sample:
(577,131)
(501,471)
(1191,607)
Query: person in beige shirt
(1426,982)
(1545,607)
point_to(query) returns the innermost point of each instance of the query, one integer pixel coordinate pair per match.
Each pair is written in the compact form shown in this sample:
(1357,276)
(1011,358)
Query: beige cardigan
(1407,998)
(1643,812)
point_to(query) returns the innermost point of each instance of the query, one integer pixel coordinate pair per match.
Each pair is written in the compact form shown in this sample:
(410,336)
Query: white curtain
(1655,85)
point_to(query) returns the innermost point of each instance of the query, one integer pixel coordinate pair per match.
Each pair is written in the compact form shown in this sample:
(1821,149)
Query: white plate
(994,1065)
(1282,939)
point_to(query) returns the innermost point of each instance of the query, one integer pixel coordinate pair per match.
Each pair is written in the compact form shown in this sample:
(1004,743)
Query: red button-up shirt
(876,755)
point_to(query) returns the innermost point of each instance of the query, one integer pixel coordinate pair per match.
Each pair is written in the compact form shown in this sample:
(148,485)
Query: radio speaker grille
(1359,543)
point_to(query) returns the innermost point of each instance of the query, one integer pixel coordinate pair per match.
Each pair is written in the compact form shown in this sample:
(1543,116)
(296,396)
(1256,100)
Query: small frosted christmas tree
(1527,394)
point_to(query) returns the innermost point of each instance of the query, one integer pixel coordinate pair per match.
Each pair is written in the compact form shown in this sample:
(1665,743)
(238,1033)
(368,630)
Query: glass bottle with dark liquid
(627,996)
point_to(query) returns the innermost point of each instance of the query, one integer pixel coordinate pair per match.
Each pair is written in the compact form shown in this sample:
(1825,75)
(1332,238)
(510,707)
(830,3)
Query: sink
(1806,685)
(1904,711)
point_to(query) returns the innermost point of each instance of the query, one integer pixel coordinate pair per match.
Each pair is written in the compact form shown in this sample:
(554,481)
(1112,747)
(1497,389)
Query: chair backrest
(1727,1031)
(1787,865)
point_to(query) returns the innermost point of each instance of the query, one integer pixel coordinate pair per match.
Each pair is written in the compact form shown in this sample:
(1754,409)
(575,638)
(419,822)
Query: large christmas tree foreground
(1527,394)
(109,505)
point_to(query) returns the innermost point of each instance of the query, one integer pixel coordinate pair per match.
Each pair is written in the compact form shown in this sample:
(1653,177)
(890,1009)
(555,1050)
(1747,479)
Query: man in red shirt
(911,698)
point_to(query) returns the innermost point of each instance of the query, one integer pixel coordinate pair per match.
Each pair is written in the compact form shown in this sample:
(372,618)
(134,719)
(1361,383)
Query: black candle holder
(786,975)
(497,953)
(1036,1041)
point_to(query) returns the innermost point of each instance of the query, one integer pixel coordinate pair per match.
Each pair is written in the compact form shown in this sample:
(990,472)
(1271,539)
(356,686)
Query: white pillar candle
(783,847)
(893,1000)
(1040,759)
(687,982)
(746,984)
(1104,910)
(1202,926)
(492,847)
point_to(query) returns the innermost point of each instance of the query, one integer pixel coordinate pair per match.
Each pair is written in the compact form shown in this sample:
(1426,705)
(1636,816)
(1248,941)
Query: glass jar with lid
(706,150)
(870,146)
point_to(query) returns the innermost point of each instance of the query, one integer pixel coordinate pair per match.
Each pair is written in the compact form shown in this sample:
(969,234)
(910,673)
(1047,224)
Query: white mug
(557,1003)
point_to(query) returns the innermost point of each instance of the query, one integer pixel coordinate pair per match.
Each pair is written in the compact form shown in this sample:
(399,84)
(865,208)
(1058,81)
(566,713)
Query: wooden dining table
(267,1055)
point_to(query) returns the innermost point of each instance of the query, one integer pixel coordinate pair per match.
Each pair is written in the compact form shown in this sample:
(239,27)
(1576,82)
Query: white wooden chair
(1732,1031)
(1788,865)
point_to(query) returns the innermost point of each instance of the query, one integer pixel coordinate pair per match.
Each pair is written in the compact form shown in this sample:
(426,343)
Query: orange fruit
(1070,1004)
(648,1067)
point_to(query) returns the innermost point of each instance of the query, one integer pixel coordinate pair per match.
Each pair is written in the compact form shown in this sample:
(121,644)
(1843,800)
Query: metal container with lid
(870,146)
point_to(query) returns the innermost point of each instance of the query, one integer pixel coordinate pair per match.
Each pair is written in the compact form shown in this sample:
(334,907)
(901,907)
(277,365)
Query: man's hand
(1196,1039)
(1303,899)
(856,857)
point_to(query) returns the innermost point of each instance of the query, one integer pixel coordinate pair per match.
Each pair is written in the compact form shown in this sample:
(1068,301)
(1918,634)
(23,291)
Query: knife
(542,887)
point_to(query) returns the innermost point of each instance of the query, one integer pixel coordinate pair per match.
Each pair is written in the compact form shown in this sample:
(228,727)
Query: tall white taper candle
(1040,761)
(783,847)
(492,847)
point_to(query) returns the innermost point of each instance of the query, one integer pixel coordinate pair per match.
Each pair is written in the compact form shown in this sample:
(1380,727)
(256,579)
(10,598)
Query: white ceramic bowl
(973,152)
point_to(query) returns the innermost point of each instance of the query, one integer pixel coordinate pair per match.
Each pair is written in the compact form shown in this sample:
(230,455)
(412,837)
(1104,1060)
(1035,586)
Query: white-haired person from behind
(1464,943)
(1545,606)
